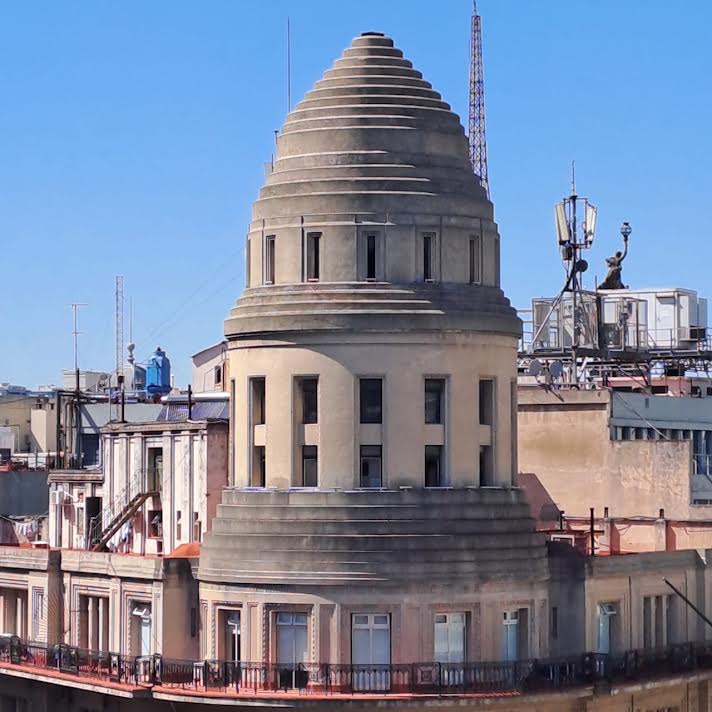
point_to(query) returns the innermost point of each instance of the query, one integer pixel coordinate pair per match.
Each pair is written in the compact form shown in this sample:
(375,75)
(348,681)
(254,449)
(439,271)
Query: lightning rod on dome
(289,66)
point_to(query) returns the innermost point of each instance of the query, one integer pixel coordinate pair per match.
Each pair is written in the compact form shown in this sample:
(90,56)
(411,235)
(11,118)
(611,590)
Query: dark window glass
(310,400)
(258,401)
(486,402)
(371,474)
(370,257)
(433,465)
(428,241)
(475,260)
(261,467)
(309,466)
(434,390)
(313,256)
(371,400)
(269,261)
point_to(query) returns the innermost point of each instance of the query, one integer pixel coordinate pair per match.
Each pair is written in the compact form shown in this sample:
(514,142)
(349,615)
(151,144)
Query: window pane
(434,388)
(486,401)
(380,620)
(475,260)
(456,640)
(381,646)
(371,466)
(371,400)
(360,620)
(269,260)
(309,400)
(433,455)
(370,257)
(428,240)
(361,644)
(309,466)
(313,256)
(442,652)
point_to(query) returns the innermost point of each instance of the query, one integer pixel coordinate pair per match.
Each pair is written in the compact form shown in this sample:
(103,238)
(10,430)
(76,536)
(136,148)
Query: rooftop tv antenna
(119,323)
(478,140)
(75,334)
(575,219)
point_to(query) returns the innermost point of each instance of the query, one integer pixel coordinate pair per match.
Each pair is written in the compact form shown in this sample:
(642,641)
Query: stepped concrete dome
(372,368)
(372,145)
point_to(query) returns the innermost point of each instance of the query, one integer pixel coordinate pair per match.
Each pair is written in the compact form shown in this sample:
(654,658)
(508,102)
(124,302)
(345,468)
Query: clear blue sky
(133,136)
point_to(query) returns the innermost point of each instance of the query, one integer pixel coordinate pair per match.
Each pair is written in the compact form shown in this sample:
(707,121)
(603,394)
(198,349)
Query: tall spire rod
(478,140)
(289,66)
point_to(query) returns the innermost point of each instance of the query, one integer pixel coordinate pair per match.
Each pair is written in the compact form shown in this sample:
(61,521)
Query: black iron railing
(523,676)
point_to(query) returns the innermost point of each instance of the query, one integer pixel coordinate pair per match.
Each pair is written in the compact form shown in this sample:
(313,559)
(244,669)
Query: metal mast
(478,140)
(119,321)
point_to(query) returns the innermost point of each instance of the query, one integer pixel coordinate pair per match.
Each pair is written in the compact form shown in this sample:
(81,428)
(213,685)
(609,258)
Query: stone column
(20,615)
(104,624)
(91,623)
(3,609)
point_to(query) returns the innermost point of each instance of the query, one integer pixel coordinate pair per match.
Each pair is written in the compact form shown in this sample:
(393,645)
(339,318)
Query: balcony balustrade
(431,678)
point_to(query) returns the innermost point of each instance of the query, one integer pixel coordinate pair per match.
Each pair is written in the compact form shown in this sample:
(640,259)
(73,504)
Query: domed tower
(373,358)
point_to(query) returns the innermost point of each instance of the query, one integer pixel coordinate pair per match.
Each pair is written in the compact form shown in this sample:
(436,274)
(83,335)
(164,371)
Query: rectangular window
(155,524)
(554,622)
(486,401)
(371,400)
(154,456)
(217,374)
(197,527)
(291,639)
(313,256)
(449,637)
(475,260)
(232,635)
(259,469)
(269,260)
(257,400)
(606,629)
(37,612)
(371,639)
(486,465)
(248,258)
(310,400)
(428,256)
(658,621)
(179,525)
(141,629)
(371,651)
(310,461)
(510,636)
(371,475)
(433,466)
(434,396)
(371,257)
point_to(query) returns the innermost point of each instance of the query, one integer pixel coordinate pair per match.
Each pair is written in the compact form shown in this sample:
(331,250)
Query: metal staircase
(118,511)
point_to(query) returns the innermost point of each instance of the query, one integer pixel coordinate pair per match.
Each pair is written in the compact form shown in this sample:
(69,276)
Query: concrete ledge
(14,557)
(63,680)
(106,564)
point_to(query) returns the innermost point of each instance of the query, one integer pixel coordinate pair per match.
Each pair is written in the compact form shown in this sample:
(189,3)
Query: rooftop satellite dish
(534,367)
(556,369)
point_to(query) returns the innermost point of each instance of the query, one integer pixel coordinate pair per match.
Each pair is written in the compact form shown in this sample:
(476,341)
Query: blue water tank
(158,373)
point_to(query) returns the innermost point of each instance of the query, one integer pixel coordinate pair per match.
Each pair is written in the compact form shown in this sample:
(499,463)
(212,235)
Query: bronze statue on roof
(613,278)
